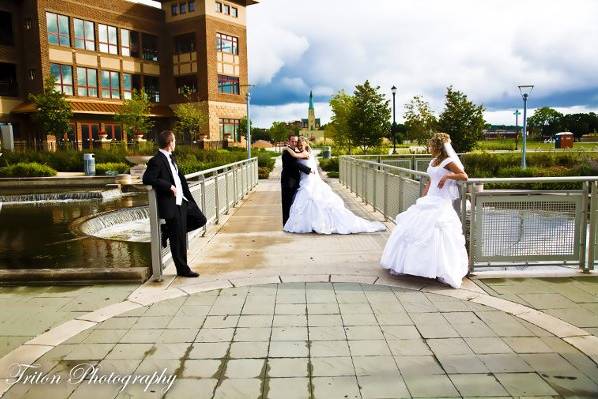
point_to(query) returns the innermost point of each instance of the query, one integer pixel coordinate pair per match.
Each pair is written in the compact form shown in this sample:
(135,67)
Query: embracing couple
(308,204)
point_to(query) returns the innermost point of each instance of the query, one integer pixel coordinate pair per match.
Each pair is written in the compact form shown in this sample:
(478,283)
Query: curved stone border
(146,295)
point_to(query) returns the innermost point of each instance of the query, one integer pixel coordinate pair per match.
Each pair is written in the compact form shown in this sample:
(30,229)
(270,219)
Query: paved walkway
(308,316)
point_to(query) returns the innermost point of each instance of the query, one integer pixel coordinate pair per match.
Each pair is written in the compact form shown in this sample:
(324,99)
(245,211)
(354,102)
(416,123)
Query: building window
(151,85)
(183,8)
(8,80)
(110,84)
(113,131)
(6,33)
(226,9)
(234,12)
(84,34)
(230,128)
(64,78)
(184,43)
(174,9)
(150,47)
(186,84)
(191,5)
(58,29)
(87,82)
(108,39)
(130,83)
(125,42)
(228,84)
(227,44)
(218,7)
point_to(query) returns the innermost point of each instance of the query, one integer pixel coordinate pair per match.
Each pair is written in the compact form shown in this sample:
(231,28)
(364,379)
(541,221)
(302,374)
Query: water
(43,236)
(130,224)
(37,198)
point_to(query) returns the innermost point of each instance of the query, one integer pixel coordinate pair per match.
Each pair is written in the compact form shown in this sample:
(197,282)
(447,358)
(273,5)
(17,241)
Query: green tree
(192,120)
(134,114)
(420,121)
(280,131)
(53,110)
(544,122)
(338,128)
(369,120)
(462,120)
(243,129)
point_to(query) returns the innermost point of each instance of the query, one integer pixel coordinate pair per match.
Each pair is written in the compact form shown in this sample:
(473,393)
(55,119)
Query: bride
(428,239)
(317,208)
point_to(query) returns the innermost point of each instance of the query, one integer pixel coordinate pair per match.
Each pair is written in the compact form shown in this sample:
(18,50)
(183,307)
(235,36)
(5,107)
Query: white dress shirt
(175,175)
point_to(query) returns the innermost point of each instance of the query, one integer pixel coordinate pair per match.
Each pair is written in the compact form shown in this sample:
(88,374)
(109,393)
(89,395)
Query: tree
(134,114)
(462,120)
(369,119)
(338,128)
(420,121)
(544,122)
(260,134)
(192,120)
(53,110)
(578,124)
(243,129)
(280,131)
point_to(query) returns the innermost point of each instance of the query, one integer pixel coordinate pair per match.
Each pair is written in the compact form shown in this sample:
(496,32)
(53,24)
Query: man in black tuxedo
(290,177)
(175,202)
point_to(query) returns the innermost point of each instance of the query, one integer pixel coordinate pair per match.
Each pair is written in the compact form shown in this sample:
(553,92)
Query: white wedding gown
(317,208)
(428,239)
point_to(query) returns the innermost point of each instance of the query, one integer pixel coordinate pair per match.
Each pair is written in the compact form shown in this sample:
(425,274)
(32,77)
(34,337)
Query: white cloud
(484,48)
(507,117)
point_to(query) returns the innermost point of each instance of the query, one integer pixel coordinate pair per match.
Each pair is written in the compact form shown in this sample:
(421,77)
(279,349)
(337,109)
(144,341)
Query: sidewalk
(279,315)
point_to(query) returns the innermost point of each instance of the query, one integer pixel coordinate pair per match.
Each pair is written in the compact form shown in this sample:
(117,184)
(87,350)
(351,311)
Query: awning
(96,108)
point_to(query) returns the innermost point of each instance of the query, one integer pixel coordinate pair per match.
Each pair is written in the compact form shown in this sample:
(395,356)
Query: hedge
(27,169)
(118,167)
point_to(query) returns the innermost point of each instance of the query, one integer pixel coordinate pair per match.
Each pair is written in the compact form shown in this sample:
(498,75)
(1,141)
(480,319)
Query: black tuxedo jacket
(158,175)
(291,171)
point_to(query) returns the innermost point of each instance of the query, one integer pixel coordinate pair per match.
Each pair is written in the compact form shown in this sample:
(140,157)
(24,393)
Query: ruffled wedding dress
(317,208)
(428,239)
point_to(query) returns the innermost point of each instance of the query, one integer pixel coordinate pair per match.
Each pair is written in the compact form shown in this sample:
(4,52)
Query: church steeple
(311,113)
(311,100)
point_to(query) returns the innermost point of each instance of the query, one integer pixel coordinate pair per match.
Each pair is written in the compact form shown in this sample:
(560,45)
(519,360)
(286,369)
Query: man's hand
(173,189)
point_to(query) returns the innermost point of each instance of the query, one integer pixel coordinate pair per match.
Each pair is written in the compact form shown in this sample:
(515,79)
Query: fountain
(130,224)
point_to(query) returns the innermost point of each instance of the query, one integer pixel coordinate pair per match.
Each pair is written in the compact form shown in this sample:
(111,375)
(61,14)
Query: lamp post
(525,91)
(516,113)
(248,96)
(393,90)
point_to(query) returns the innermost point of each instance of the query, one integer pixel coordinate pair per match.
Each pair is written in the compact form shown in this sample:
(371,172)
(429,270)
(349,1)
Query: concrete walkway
(309,316)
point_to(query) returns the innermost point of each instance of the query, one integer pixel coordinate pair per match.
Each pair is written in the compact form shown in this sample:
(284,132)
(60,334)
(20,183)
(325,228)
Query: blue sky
(484,48)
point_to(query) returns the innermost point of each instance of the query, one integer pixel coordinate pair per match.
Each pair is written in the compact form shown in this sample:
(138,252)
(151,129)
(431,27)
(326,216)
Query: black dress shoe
(164,240)
(188,274)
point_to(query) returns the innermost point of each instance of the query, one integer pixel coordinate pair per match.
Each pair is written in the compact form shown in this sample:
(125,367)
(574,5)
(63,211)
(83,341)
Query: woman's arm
(455,174)
(298,155)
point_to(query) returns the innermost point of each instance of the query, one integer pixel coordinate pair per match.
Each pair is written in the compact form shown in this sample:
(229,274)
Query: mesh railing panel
(422,164)
(410,192)
(513,227)
(210,204)
(239,183)
(401,163)
(370,184)
(379,205)
(231,188)
(393,196)
(221,184)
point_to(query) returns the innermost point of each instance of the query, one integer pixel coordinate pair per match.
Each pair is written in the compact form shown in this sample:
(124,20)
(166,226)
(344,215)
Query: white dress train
(428,238)
(317,208)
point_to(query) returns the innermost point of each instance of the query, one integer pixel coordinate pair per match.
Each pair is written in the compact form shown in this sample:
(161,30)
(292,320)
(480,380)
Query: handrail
(391,167)
(216,169)
(564,179)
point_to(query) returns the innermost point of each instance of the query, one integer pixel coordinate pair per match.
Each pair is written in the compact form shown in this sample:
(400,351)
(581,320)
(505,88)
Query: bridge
(313,316)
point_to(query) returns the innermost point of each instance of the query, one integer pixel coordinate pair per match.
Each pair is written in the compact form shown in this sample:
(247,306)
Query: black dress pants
(288,194)
(189,218)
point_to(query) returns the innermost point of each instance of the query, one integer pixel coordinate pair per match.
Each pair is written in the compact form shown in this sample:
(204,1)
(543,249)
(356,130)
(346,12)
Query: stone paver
(364,361)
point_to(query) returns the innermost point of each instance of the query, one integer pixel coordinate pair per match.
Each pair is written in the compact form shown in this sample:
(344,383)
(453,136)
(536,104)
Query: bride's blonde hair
(305,143)
(437,142)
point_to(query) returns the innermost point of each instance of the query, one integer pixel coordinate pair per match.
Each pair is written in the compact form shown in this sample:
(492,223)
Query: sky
(483,48)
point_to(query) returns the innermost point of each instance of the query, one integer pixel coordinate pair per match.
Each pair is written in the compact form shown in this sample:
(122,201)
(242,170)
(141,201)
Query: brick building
(101,50)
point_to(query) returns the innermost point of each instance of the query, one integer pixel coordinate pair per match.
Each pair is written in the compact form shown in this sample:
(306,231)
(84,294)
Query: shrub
(265,161)
(118,167)
(27,169)
(332,174)
(329,165)
(496,145)
(263,172)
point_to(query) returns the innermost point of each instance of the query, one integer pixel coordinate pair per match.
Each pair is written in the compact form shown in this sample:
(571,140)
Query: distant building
(100,51)
(499,134)
(310,127)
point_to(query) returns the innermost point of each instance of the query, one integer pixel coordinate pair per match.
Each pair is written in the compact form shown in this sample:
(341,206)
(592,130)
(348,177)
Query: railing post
(235,188)
(385,194)
(375,174)
(463,193)
(584,227)
(593,227)
(472,228)
(217,199)
(202,185)
(364,186)
(226,192)
(401,196)
(156,250)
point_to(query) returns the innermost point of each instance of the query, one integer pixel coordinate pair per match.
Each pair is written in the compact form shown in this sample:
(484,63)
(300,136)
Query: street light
(516,113)
(393,90)
(525,91)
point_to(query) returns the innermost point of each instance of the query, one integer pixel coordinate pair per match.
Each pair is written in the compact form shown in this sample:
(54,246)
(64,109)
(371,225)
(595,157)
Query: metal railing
(216,191)
(504,227)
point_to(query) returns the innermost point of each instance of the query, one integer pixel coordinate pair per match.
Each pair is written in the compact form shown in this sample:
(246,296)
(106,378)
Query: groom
(290,177)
